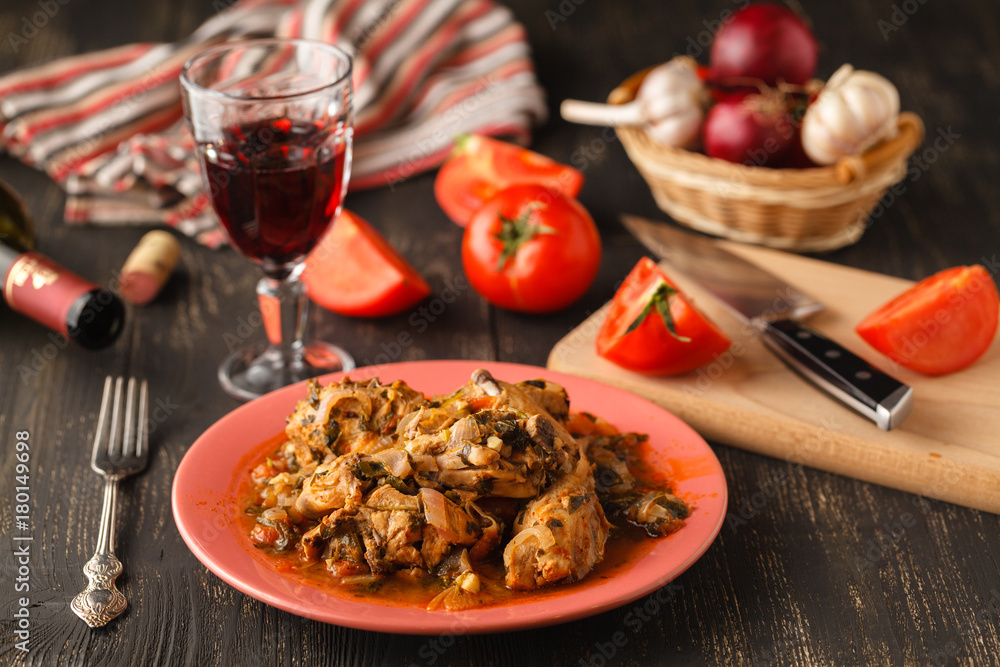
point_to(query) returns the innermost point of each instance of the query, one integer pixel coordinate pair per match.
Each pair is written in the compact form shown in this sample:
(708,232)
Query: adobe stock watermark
(420,320)
(817,446)
(885,541)
(562,13)
(22,538)
(593,151)
(807,452)
(919,164)
(246,326)
(785,301)
(900,14)
(752,505)
(441,138)
(370,28)
(160,413)
(434,648)
(600,653)
(696,45)
(220,6)
(31,25)
(256,145)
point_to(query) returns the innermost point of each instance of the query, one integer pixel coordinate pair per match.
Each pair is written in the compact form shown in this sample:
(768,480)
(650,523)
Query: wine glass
(272,122)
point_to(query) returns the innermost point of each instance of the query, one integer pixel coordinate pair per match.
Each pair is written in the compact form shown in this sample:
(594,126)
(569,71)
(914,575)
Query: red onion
(753,129)
(796,157)
(767,42)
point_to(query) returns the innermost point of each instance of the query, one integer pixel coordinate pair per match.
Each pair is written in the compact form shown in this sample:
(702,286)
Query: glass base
(253,371)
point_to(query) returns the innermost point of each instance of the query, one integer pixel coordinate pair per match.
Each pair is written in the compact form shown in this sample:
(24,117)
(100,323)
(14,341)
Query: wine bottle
(43,290)
(40,288)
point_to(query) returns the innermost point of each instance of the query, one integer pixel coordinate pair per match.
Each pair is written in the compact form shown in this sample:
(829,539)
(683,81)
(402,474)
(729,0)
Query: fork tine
(142,441)
(114,441)
(128,437)
(102,423)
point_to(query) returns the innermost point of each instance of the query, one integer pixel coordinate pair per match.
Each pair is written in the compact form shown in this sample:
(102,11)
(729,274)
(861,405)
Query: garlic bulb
(669,104)
(854,111)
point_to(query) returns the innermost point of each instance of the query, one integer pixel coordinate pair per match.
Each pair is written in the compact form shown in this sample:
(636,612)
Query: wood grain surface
(811,568)
(946,449)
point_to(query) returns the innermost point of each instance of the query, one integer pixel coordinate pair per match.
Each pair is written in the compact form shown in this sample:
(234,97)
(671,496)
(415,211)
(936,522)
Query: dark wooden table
(831,571)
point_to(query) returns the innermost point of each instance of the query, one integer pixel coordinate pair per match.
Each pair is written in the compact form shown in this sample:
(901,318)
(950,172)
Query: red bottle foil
(43,290)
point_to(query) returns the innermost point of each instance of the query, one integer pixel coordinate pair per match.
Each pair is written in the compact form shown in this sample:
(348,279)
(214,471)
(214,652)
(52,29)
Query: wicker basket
(804,210)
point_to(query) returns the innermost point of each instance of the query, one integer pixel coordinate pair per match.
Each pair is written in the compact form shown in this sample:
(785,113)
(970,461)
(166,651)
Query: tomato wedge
(635,333)
(354,271)
(480,166)
(940,325)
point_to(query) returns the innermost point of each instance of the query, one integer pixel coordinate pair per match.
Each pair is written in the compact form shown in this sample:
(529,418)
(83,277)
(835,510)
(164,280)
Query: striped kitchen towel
(109,126)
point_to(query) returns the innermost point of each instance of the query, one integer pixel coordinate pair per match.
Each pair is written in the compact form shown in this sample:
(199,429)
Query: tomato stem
(515,233)
(462,143)
(660,300)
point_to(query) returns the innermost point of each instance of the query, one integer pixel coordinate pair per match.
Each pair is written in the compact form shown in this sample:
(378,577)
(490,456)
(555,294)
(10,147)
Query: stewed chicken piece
(548,395)
(491,453)
(333,485)
(391,529)
(530,398)
(560,535)
(348,416)
(491,438)
(343,480)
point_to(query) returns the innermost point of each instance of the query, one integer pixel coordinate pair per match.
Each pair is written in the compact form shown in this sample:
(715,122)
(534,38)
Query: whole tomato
(531,249)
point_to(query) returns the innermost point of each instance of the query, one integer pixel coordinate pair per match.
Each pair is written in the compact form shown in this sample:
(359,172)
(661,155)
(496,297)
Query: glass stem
(283,308)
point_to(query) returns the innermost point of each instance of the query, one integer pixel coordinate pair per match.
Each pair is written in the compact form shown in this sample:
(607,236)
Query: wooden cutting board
(948,448)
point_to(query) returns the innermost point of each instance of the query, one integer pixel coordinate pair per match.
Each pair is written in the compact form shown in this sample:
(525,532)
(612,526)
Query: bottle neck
(8,256)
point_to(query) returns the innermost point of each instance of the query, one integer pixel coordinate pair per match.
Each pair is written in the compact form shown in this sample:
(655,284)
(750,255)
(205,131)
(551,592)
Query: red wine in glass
(273,122)
(276,186)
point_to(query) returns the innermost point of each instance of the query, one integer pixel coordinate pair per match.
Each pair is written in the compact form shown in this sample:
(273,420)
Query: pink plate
(204,507)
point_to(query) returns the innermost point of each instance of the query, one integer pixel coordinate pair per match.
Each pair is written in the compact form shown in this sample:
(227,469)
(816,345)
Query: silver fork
(120,449)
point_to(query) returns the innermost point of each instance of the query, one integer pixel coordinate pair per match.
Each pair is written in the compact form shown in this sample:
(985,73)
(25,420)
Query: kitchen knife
(773,309)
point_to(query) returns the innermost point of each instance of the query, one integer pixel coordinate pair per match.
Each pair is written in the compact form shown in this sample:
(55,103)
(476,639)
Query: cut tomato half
(354,271)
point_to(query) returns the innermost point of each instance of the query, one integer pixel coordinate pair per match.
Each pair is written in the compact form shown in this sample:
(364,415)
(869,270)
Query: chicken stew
(454,502)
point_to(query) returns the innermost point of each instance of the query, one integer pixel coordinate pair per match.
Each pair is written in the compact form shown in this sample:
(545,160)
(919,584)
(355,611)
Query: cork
(149,266)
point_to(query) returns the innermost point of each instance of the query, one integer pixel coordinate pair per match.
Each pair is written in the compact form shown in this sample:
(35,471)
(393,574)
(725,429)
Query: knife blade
(774,310)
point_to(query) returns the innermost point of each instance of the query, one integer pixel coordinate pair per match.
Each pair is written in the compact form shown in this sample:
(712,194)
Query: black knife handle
(850,379)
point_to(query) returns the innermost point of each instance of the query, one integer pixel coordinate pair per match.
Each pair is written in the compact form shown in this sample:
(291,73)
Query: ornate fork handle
(101,601)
